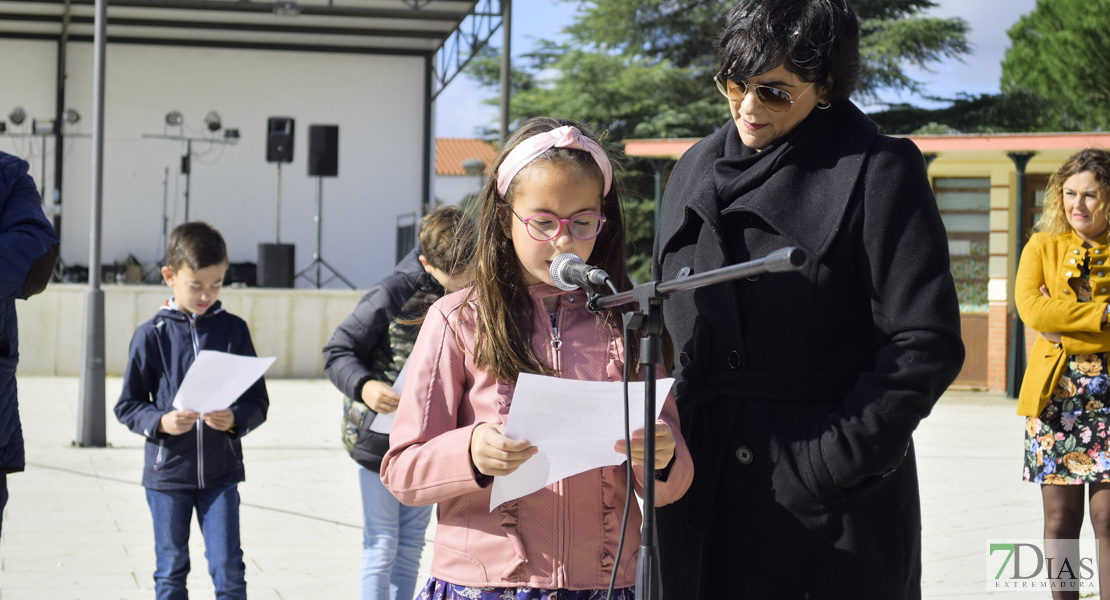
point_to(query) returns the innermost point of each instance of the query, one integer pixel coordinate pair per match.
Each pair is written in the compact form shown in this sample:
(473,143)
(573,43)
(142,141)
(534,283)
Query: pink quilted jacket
(563,536)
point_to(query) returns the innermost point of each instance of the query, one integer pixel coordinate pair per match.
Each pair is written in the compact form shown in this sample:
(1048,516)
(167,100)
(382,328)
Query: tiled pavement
(77,525)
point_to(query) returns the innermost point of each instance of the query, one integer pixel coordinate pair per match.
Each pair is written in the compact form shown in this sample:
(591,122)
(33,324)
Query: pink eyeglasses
(543,227)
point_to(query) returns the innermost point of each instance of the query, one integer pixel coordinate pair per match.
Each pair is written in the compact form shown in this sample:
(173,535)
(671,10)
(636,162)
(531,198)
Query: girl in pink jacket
(552,192)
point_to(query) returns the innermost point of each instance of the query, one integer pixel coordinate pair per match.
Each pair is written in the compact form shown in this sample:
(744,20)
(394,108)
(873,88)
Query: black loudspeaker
(323,150)
(275,265)
(279,139)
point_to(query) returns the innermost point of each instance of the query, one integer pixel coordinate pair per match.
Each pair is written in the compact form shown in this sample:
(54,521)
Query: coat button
(571,299)
(744,455)
(684,359)
(1075,252)
(1067,291)
(1073,261)
(753,277)
(683,272)
(1098,251)
(1102,289)
(1068,274)
(1100,262)
(1100,274)
(734,360)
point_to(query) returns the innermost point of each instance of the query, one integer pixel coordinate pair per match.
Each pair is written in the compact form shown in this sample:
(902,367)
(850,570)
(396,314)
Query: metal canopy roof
(454,29)
(398,27)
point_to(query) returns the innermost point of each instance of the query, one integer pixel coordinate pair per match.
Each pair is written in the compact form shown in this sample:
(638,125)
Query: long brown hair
(504,313)
(1090,160)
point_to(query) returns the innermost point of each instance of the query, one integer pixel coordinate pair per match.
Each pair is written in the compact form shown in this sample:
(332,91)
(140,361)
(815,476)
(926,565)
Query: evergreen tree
(1016,111)
(1061,51)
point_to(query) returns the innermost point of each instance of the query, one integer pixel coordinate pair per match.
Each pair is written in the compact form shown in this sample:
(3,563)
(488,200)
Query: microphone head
(559,276)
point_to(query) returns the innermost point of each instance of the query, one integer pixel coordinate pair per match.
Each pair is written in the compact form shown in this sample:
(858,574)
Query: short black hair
(195,245)
(814,39)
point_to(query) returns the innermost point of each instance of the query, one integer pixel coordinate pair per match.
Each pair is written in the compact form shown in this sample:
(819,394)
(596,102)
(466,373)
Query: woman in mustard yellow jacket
(1062,291)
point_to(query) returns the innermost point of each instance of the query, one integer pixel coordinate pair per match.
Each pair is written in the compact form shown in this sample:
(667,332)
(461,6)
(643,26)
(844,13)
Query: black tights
(1063,518)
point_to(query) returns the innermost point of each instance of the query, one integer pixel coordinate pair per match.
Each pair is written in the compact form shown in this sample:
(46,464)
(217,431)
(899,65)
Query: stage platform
(290,324)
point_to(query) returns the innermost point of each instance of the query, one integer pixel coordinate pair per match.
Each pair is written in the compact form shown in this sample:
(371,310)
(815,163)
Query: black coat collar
(803,192)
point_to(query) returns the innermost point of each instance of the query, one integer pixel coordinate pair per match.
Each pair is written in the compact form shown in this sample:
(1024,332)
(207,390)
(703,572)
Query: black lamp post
(1016,364)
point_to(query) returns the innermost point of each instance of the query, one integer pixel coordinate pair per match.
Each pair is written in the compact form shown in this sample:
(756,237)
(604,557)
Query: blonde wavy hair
(1090,160)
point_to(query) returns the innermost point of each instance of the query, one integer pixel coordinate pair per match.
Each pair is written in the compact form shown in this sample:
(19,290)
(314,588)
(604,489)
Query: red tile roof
(451,152)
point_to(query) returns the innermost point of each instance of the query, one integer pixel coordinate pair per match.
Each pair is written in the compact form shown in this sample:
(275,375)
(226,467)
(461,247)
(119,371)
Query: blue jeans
(392,540)
(218,516)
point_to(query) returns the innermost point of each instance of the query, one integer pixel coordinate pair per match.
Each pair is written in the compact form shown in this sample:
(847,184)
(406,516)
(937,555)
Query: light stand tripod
(648,319)
(277,219)
(187,158)
(317,259)
(165,210)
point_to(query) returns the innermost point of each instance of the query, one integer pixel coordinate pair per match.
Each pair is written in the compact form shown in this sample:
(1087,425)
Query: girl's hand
(664,445)
(494,454)
(220,420)
(177,422)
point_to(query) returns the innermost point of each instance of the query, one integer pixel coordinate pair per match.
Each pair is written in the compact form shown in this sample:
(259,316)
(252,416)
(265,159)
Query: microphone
(569,272)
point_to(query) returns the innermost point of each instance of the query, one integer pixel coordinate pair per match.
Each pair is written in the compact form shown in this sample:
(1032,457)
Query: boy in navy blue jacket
(192,460)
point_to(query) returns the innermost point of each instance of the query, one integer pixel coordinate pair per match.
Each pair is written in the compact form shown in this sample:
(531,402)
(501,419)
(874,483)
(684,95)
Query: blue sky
(460,111)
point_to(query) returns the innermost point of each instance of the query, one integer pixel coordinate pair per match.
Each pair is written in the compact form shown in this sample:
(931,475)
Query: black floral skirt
(1069,443)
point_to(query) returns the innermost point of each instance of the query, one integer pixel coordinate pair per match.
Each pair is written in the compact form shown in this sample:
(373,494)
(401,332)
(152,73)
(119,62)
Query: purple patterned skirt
(442,590)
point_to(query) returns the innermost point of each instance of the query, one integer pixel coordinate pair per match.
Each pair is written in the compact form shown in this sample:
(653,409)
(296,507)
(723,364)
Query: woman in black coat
(799,392)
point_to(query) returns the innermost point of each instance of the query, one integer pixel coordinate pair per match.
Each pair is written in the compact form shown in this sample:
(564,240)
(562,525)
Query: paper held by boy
(574,424)
(217,379)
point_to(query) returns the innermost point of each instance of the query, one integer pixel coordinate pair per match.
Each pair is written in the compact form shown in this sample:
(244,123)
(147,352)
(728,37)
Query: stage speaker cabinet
(323,150)
(279,140)
(275,265)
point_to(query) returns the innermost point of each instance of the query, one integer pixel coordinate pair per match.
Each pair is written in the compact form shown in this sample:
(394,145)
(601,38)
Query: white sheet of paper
(574,424)
(217,379)
(383,423)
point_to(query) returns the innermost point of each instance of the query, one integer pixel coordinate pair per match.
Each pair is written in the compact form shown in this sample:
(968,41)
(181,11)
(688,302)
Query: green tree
(1019,110)
(644,68)
(1061,50)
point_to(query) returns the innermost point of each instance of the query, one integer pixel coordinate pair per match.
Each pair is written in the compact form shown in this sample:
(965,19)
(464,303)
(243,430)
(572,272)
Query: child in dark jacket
(192,460)
(364,358)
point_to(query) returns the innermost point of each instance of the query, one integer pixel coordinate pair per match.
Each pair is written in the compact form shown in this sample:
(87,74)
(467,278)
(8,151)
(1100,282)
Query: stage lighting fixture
(286,9)
(174,117)
(3,126)
(17,116)
(71,116)
(231,133)
(42,126)
(212,121)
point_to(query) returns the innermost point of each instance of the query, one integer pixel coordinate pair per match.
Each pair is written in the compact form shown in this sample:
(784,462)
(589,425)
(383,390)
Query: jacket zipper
(561,573)
(561,521)
(200,424)
(556,341)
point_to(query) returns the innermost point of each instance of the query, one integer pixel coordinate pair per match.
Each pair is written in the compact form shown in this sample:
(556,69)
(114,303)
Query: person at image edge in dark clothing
(28,252)
(799,392)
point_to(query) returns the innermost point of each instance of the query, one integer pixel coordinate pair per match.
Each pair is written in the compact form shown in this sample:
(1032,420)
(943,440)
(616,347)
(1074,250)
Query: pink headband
(562,137)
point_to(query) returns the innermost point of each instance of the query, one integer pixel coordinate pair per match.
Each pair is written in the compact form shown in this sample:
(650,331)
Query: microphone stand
(649,320)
